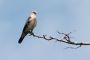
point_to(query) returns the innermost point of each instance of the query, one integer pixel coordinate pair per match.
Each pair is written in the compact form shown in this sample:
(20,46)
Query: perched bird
(29,26)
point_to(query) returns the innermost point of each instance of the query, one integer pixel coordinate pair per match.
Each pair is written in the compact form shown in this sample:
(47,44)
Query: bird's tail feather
(21,38)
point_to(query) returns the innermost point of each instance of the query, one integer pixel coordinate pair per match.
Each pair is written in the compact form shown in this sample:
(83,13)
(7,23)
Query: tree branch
(66,39)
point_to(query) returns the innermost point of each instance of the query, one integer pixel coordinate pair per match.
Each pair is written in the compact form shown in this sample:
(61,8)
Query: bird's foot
(31,33)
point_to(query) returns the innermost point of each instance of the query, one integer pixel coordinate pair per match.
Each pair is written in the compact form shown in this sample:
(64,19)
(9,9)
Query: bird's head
(34,12)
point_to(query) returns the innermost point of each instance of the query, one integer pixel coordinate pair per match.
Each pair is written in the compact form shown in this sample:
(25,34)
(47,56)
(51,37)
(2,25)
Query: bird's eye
(34,12)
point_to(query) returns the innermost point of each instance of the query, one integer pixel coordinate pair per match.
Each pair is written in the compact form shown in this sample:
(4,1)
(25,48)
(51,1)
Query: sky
(53,15)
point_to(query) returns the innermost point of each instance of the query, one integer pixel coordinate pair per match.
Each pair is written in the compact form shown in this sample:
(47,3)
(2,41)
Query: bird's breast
(32,24)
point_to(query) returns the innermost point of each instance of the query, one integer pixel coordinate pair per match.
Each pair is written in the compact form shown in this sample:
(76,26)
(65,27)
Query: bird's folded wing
(26,24)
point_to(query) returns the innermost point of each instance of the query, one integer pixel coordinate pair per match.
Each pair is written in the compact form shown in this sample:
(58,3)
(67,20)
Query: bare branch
(74,47)
(66,39)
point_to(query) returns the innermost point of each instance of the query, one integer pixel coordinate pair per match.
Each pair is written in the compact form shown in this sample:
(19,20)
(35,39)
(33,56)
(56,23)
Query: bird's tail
(21,38)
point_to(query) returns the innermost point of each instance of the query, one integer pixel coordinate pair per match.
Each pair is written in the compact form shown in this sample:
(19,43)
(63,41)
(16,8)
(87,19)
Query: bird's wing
(26,24)
(24,32)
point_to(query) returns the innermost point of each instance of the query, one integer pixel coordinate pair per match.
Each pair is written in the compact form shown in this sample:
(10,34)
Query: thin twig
(66,39)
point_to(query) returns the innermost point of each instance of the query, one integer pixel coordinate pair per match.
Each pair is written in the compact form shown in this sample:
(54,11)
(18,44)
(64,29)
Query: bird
(29,26)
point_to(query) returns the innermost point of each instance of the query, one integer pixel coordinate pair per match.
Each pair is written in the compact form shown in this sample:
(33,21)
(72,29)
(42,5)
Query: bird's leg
(31,33)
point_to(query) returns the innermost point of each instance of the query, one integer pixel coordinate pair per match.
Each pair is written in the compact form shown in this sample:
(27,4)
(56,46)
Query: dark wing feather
(26,24)
(24,33)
